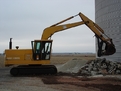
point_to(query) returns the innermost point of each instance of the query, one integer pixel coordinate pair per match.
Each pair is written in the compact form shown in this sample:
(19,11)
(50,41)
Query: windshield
(41,50)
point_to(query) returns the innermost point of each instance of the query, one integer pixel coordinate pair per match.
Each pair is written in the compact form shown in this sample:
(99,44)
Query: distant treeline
(73,53)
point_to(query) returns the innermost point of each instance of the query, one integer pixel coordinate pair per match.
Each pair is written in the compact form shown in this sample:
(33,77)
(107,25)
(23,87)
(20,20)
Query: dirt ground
(75,83)
(59,82)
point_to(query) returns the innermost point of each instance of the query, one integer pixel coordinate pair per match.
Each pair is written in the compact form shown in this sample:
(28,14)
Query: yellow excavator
(37,59)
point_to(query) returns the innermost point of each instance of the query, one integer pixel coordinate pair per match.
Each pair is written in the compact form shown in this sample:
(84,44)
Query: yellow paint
(21,57)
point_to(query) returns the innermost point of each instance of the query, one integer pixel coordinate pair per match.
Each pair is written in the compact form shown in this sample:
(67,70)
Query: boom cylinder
(62,21)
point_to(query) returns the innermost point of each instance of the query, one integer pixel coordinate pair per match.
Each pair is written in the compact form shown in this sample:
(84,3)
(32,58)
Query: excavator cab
(41,49)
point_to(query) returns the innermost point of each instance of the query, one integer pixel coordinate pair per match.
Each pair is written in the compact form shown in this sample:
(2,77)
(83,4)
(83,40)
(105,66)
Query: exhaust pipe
(10,43)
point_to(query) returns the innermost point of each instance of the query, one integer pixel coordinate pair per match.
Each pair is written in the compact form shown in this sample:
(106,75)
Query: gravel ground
(9,83)
(60,82)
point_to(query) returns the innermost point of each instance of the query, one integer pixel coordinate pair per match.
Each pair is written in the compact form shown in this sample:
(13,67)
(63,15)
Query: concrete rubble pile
(100,66)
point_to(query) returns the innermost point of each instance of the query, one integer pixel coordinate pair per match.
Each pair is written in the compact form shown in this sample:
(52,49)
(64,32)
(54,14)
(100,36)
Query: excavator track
(33,70)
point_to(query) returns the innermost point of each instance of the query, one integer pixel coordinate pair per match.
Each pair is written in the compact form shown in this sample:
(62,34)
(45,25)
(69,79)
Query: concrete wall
(108,17)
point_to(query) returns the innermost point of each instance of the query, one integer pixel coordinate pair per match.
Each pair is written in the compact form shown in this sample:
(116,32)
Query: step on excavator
(36,61)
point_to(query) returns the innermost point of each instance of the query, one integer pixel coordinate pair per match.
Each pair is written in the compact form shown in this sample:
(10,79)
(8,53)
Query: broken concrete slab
(72,66)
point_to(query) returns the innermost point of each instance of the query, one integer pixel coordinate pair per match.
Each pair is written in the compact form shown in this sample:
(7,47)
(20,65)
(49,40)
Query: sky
(25,20)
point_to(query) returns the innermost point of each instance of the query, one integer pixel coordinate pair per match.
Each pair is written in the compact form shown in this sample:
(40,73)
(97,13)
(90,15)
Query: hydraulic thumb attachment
(104,48)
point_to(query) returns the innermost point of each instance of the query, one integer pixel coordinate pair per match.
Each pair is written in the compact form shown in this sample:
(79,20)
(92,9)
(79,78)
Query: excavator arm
(102,38)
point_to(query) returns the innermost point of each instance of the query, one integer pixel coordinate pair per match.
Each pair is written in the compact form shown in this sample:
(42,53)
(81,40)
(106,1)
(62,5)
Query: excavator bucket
(109,49)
